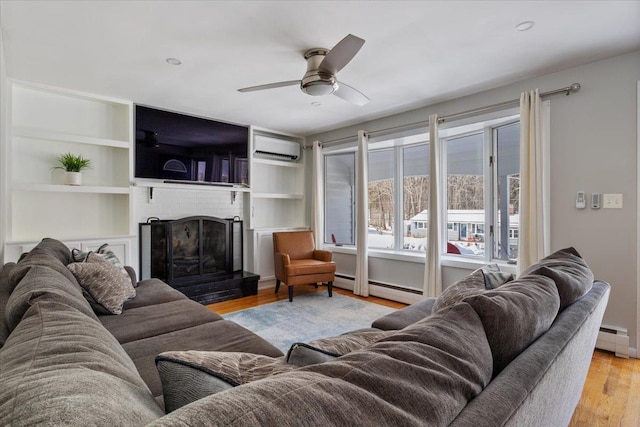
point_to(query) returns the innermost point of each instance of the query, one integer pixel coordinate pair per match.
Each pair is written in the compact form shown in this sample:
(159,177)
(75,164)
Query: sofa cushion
(571,273)
(516,314)
(105,284)
(148,321)
(4,297)
(191,375)
(43,254)
(57,249)
(484,278)
(222,335)
(406,316)
(321,350)
(422,375)
(61,367)
(151,292)
(43,283)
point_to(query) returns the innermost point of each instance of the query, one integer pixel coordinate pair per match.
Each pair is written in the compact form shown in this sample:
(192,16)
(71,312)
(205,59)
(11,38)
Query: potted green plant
(72,165)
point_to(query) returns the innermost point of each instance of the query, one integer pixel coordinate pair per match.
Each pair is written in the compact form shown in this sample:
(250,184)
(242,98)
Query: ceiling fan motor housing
(315,82)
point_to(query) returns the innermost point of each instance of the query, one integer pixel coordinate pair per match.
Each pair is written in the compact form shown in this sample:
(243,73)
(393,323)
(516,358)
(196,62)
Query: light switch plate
(612,201)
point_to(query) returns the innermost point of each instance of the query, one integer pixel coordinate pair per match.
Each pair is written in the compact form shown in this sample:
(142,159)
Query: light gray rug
(308,317)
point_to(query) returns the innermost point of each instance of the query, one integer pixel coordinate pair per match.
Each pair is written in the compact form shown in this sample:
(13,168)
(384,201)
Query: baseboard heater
(615,339)
(383,285)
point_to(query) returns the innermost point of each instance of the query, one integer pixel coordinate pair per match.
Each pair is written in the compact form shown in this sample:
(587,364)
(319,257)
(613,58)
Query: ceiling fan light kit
(322,67)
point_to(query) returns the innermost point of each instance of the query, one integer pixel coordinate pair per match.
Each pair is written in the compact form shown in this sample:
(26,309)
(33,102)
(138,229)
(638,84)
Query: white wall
(593,139)
(4,105)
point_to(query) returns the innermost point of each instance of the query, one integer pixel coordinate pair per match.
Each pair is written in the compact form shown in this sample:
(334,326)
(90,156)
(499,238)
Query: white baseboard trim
(266,284)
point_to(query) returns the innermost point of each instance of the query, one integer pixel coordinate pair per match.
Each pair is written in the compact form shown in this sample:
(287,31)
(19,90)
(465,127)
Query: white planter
(73,178)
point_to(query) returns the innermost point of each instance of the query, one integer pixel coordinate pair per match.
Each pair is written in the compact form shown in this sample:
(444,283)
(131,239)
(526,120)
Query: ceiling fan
(322,66)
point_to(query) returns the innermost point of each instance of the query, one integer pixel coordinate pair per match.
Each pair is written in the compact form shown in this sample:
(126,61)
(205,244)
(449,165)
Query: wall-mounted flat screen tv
(178,148)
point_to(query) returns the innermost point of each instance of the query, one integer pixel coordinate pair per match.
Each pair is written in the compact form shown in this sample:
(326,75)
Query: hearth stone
(236,285)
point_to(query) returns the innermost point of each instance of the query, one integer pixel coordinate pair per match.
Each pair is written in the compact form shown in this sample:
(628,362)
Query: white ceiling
(416,53)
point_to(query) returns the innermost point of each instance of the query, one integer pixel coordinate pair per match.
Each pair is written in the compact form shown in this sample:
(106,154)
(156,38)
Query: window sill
(452,261)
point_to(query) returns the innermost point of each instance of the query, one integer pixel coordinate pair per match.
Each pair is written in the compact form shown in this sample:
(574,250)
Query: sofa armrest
(322,255)
(132,275)
(404,317)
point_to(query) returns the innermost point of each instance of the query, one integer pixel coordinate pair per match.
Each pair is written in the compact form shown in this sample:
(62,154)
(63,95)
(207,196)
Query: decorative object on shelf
(73,166)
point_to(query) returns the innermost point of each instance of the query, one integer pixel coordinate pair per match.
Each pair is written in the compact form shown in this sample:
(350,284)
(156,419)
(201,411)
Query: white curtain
(317,194)
(433,270)
(534,233)
(361,286)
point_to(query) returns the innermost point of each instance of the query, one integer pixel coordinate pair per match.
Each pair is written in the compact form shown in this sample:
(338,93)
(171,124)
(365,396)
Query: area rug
(308,317)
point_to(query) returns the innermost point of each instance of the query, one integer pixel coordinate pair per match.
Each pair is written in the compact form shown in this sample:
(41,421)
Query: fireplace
(201,256)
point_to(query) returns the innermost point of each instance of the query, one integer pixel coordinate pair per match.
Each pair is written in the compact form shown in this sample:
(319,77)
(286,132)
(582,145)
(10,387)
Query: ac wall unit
(266,146)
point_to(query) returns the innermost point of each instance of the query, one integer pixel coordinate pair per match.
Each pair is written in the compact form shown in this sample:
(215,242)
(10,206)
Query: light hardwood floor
(611,395)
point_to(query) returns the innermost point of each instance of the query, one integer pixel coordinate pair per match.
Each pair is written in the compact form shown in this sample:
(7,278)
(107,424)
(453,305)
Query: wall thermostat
(581,200)
(596,200)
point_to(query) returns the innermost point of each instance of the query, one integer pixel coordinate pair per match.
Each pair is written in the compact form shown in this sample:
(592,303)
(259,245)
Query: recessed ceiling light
(316,103)
(174,61)
(525,26)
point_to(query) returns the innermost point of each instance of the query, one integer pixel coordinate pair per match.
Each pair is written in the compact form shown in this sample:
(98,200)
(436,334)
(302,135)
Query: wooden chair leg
(330,285)
(277,285)
(290,293)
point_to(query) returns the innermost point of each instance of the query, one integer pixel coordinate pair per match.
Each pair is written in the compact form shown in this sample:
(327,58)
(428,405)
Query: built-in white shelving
(277,189)
(46,123)
(276,202)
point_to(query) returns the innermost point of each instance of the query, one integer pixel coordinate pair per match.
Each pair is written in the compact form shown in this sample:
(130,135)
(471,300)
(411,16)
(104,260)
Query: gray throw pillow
(571,273)
(516,314)
(325,349)
(105,252)
(107,288)
(191,375)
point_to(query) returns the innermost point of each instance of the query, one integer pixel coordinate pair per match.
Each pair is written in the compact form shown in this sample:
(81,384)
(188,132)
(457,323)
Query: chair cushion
(297,244)
(300,267)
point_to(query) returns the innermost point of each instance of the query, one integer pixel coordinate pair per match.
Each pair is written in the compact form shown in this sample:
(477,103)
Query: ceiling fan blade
(350,94)
(341,54)
(270,86)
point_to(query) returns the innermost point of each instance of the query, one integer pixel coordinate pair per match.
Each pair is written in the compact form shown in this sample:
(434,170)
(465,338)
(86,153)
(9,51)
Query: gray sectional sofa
(514,355)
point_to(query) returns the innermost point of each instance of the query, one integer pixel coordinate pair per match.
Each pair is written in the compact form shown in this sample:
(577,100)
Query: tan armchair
(298,262)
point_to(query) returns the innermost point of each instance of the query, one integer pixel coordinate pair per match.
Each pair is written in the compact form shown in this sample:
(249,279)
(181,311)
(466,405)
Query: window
(466,192)
(481,181)
(507,147)
(483,188)
(399,193)
(339,198)
(381,198)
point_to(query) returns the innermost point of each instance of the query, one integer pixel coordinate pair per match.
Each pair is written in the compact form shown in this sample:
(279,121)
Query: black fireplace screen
(190,248)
